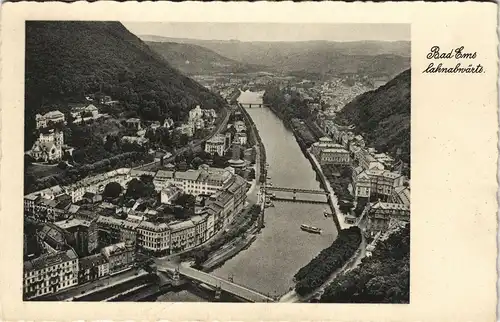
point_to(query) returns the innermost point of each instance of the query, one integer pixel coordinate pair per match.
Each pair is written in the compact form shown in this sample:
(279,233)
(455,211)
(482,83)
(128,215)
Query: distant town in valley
(187,170)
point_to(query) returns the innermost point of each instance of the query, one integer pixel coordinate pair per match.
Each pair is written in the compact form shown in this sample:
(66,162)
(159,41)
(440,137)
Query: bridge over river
(298,190)
(266,190)
(190,273)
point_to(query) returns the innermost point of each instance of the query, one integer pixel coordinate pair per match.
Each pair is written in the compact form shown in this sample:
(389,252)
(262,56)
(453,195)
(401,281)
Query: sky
(271,31)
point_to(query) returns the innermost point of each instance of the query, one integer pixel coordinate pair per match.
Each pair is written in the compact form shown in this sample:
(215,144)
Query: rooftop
(49,259)
(383,173)
(164,174)
(73,222)
(91,261)
(188,175)
(182,225)
(389,206)
(216,139)
(113,249)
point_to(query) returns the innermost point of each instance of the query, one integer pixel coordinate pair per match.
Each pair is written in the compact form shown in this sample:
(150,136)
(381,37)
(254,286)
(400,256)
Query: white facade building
(50,273)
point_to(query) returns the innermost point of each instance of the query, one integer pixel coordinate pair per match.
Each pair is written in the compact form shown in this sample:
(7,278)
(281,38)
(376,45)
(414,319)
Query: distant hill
(66,60)
(376,58)
(193,59)
(383,115)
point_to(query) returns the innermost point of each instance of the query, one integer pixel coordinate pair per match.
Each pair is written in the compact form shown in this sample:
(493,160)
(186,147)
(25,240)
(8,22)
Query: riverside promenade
(332,197)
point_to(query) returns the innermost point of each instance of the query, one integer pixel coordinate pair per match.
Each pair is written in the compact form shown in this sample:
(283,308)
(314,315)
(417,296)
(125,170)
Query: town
(245,187)
(99,226)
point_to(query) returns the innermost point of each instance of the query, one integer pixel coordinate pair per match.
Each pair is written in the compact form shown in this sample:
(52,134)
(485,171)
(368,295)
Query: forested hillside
(194,59)
(372,58)
(66,60)
(382,278)
(382,116)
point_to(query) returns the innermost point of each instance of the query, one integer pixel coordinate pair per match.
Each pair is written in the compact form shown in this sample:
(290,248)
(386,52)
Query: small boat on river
(310,229)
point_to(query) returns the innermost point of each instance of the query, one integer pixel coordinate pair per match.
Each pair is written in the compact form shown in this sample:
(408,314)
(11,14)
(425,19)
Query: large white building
(216,144)
(373,181)
(154,237)
(195,113)
(380,215)
(328,152)
(44,120)
(50,273)
(367,160)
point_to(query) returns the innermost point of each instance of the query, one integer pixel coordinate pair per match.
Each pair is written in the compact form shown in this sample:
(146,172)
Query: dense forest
(382,116)
(330,259)
(68,60)
(194,59)
(382,278)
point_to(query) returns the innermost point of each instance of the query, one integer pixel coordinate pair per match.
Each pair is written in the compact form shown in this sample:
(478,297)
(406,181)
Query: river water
(282,248)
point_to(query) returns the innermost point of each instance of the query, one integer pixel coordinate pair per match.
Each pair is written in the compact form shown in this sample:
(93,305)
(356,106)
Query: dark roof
(50,259)
(91,261)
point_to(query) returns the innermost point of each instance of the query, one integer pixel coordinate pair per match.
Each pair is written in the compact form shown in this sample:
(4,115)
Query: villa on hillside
(44,120)
(84,113)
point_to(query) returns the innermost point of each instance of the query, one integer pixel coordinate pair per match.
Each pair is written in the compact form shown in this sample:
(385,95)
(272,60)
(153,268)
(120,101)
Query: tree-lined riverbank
(314,274)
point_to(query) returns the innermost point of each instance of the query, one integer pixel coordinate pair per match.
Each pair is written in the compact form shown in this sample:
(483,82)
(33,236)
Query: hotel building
(50,273)
(327,152)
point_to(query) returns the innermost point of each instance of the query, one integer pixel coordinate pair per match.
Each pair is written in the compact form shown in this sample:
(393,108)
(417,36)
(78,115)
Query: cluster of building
(57,270)
(221,143)
(374,176)
(49,147)
(336,92)
(225,84)
(140,128)
(198,119)
(82,244)
(85,113)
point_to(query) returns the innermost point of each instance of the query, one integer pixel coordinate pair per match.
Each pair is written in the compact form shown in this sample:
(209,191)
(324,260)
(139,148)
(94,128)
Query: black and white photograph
(217,162)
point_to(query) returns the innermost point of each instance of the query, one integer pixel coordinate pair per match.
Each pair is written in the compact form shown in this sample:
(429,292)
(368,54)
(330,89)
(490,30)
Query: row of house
(55,271)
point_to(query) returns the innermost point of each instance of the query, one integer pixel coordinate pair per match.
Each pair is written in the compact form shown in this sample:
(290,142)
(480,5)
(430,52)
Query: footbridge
(250,105)
(297,190)
(217,283)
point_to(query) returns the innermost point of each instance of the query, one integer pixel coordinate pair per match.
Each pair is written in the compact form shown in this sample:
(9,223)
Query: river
(281,249)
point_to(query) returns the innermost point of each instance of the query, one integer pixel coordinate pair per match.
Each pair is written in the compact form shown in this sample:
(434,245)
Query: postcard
(322,161)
